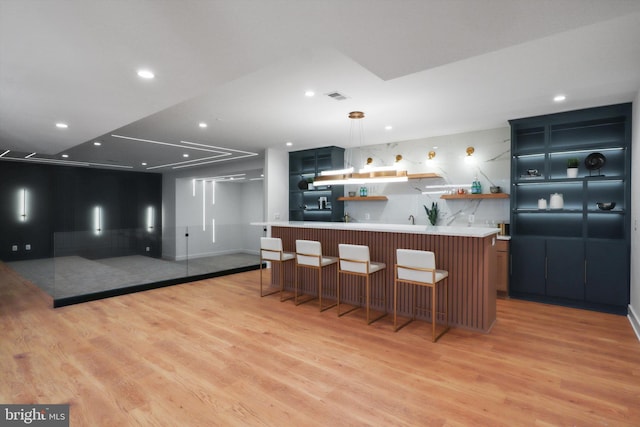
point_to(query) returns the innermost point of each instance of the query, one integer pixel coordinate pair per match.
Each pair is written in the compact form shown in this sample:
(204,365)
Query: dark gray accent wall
(60,202)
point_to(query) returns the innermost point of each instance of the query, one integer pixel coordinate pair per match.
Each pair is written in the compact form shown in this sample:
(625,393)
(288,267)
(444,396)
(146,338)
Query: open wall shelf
(475,196)
(363,199)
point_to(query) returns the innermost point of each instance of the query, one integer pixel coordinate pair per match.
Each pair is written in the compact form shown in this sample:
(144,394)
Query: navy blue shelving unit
(304,204)
(578,255)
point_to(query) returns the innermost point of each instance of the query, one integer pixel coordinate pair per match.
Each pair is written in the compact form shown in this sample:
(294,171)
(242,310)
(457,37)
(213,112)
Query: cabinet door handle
(545,268)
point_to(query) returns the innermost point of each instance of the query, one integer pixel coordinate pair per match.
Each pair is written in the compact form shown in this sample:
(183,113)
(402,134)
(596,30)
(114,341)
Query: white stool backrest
(415,259)
(308,247)
(354,252)
(271,248)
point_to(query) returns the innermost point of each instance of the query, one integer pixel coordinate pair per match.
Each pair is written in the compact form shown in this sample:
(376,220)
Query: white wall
(276,175)
(634,306)
(217,217)
(235,207)
(492,166)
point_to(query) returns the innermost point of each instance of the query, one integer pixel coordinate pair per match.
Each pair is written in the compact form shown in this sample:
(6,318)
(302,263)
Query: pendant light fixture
(368,174)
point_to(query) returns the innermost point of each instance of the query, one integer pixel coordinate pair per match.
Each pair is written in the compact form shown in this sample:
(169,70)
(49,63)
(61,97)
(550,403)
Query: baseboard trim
(634,320)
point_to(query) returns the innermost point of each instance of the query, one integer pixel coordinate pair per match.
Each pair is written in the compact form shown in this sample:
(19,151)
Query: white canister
(542,203)
(556,201)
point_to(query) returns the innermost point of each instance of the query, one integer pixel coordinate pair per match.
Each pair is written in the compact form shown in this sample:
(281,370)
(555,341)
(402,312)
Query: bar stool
(355,260)
(309,255)
(418,268)
(271,250)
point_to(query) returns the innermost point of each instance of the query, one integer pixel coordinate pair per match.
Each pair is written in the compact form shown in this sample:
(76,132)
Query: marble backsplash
(490,163)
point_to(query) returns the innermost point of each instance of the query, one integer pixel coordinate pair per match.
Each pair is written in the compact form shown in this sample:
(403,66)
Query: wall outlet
(276,215)
(367,216)
(27,247)
(472,219)
(14,248)
(147,249)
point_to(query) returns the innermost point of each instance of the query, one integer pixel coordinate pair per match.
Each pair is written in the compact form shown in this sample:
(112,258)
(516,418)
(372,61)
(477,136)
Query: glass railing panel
(109,261)
(90,262)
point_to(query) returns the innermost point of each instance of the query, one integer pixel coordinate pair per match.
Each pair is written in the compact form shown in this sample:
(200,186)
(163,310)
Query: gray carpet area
(63,277)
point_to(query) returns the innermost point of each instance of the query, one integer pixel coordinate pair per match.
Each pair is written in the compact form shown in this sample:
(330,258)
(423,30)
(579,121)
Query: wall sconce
(22,205)
(469,159)
(97,220)
(431,155)
(150,218)
(398,158)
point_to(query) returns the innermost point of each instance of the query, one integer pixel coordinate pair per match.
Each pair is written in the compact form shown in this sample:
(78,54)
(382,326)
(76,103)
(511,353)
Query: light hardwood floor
(215,353)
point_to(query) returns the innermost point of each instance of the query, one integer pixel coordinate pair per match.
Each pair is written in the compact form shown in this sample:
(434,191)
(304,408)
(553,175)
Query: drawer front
(502,245)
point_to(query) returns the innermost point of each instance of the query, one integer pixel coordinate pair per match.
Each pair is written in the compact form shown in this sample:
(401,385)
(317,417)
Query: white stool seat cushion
(309,252)
(271,250)
(357,253)
(375,266)
(329,260)
(418,260)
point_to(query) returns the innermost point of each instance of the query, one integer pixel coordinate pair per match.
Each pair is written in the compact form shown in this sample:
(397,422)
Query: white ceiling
(428,67)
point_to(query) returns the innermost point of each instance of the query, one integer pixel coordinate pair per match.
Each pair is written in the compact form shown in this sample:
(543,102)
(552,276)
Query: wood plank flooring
(214,353)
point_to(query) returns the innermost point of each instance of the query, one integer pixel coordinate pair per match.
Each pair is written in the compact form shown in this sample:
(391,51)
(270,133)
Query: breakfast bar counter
(467,253)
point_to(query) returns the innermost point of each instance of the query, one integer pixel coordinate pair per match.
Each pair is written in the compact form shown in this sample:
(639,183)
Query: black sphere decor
(595,161)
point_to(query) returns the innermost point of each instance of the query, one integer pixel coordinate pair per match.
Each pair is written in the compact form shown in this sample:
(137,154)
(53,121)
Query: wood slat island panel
(471,262)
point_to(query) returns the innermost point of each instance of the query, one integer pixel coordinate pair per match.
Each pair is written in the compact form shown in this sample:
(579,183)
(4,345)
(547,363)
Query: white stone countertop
(391,228)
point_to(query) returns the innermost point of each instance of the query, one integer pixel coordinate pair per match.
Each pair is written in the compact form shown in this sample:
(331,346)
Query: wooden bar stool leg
(262,294)
(434,313)
(282,298)
(395,305)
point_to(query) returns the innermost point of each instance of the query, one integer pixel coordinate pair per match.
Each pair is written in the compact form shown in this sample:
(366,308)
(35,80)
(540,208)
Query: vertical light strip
(213,192)
(204,213)
(194,187)
(213,230)
(150,220)
(22,207)
(97,220)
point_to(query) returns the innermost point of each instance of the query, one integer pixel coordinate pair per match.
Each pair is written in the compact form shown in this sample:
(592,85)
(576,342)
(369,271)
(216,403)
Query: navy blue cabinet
(574,252)
(314,203)
(528,268)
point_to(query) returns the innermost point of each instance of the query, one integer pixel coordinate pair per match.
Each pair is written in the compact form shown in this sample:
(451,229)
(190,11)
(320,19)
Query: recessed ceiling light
(146,74)
(65,156)
(185,155)
(62,125)
(309,93)
(144,163)
(202,124)
(388,127)
(29,156)
(97,143)
(559,98)
(289,143)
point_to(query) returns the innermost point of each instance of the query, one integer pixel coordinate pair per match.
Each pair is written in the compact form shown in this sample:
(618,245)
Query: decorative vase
(572,172)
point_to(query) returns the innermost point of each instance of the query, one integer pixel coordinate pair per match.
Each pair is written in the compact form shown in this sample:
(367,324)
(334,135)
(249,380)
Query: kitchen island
(467,253)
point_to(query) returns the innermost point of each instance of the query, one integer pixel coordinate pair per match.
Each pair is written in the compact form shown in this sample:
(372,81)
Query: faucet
(412,219)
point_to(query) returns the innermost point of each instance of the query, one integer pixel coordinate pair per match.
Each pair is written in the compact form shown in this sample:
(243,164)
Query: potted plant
(572,167)
(432,213)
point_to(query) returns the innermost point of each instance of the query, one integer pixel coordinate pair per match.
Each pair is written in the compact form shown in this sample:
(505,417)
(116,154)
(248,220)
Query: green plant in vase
(432,213)
(572,167)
